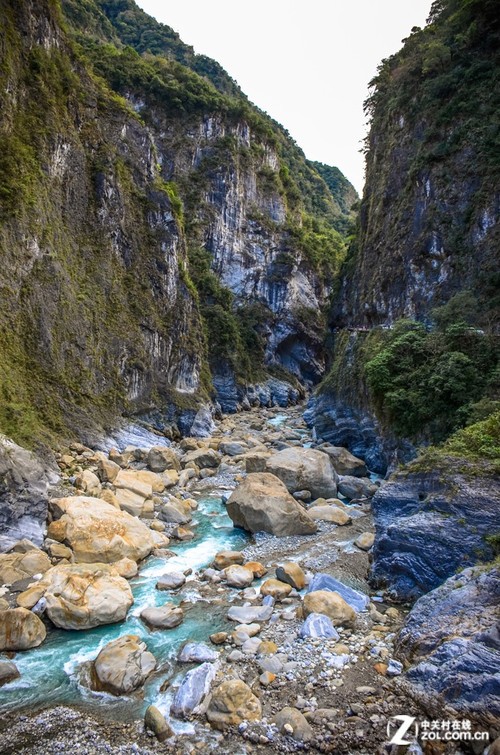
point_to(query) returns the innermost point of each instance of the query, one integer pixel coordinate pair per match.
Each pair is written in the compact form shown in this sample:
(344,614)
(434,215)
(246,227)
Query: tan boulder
(110,497)
(16,566)
(330,604)
(88,482)
(126,568)
(81,596)
(365,541)
(292,574)
(123,665)
(276,589)
(130,479)
(20,629)
(170,478)
(224,559)
(161,458)
(95,530)
(344,462)
(304,469)
(175,511)
(258,570)
(202,458)
(262,503)
(58,550)
(255,461)
(107,469)
(330,514)
(233,702)
(134,504)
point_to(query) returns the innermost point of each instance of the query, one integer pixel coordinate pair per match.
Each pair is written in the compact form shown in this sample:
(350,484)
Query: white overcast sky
(307,64)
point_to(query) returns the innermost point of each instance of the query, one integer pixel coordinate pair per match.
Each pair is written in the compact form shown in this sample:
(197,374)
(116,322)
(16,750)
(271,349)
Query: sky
(307,64)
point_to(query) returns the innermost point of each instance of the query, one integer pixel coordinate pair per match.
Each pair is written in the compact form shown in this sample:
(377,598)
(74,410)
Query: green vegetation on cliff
(429,218)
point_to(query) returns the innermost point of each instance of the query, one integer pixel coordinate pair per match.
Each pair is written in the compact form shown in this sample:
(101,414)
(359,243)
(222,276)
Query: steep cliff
(158,233)
(426,247)
(431,205)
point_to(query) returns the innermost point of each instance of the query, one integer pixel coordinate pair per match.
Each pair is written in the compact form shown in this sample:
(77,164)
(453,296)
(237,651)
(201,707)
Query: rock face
(123,665)
(233,702)
(305,469)
(428,525)
(81,596)
(451,640)
(20,629)
(94,529)
(262,503)
(24,485)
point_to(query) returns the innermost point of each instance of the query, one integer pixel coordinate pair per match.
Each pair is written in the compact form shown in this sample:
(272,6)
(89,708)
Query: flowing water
(50,673)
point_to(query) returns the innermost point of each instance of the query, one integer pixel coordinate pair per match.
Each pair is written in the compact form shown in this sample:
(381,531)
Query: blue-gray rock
(357,600)
(268,601)
(194,687)
(428,525)
(394,668)
(356,428)
(24,485)
(452,641)
(318,625)
(197,652)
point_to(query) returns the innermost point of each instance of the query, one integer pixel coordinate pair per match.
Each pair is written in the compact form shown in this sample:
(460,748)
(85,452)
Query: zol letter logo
(404,723)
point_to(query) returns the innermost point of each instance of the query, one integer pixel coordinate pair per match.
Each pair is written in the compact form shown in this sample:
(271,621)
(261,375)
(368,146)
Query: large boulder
(330,604)
(95,530)
(81,596)
(123,665)
(451,642)
(305,469)
(223,559)
(24,485)
(262,503)
(20,629)
(16,566)
(233,702)
(194,688)
(429,525)
(344,462)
